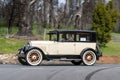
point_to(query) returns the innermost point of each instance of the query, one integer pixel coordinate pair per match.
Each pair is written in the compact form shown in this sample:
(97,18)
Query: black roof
(71,31)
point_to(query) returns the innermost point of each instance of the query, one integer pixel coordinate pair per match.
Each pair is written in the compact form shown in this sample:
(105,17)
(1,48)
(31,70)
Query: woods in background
(25,14)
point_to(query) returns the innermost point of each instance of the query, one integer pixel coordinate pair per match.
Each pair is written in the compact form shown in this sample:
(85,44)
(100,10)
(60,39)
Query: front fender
(44,56)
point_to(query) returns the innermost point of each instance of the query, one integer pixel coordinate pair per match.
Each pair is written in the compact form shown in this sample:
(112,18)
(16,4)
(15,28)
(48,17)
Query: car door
(83,42)
(66,48)
(52,48)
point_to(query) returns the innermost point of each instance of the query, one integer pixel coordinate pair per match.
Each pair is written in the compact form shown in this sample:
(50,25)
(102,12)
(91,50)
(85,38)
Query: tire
(22,61)
(34,57)
(89,58)
(76,62)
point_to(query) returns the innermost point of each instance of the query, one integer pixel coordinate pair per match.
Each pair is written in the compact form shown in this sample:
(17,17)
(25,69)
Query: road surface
(60,72)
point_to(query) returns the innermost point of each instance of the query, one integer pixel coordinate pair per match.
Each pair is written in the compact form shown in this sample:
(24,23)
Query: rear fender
(86,49)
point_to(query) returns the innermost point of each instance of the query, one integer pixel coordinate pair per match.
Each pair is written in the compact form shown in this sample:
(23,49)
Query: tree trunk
(116,5)
(86,19)
(11,16)
(51,13)
(24,23)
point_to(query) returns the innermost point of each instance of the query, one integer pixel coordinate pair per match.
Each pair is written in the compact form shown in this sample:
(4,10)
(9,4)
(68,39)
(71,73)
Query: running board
(65,59)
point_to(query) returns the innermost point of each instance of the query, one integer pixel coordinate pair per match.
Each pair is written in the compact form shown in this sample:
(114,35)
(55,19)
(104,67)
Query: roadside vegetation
(104,21)
(11,45)
(33,21)
(113,47)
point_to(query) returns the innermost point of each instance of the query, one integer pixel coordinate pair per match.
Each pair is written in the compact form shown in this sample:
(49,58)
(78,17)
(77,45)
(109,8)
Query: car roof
(71,31)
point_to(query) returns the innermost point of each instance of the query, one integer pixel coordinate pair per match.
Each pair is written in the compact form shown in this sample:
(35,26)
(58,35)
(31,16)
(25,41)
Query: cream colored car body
(62,48)
(69,45)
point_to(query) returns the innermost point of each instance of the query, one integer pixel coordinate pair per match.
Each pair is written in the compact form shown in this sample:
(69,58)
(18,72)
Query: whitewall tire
(34,57)
(89,58)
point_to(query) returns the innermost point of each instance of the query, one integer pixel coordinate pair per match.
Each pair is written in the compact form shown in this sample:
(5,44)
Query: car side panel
(66,48)
(52,48)
(80,46)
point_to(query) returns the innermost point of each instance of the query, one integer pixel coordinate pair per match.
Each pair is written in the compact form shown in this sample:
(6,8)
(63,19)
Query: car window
(62,37)
(66,37)
(83,37)
(53,37)
(70,37)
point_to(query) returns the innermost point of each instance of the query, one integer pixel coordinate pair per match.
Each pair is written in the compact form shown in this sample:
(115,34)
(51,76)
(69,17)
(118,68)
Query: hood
(35,43)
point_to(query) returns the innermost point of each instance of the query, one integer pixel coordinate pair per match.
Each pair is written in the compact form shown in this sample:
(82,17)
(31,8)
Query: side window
(53,37)
(83,37)
(62,37)
(68,37)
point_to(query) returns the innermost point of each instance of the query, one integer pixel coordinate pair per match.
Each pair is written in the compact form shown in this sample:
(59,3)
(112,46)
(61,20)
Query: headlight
(27,46)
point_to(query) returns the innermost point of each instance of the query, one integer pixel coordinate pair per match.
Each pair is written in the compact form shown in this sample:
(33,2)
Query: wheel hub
(89,57)
(34,57)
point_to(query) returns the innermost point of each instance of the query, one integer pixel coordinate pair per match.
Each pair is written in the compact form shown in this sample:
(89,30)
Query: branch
(32,2)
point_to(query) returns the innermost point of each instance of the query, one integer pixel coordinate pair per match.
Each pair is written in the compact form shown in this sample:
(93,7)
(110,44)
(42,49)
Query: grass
(10,45)
(113,47)
(4,30)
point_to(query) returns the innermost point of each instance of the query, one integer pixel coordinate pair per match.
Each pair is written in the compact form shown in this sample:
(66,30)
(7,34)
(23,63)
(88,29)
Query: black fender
(86,49)
(30,48)
(98,51)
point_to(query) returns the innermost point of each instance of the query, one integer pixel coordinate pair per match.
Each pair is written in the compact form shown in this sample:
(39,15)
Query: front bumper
(23,51)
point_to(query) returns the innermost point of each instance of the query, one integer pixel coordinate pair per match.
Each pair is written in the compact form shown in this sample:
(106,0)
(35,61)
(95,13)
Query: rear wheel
(89,58)
(76,62)
(34,57)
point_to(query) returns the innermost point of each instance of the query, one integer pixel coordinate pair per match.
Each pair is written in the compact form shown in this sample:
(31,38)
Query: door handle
(74,44)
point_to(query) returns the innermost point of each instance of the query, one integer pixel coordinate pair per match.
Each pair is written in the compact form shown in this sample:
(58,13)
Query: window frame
(92,35)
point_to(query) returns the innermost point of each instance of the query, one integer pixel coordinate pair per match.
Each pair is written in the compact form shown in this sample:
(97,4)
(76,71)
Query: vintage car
(77,46)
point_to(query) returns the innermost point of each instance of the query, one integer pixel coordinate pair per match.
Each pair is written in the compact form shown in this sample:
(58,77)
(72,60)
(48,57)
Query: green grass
(10,45)
(4,30)
(113,47)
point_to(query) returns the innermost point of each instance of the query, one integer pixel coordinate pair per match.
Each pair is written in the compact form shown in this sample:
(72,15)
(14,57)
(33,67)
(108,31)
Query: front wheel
(34,57)
(89,58)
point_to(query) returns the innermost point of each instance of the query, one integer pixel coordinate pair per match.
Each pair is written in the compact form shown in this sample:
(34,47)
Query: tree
(116,5)
(104,19)
(86,19)
(25,17)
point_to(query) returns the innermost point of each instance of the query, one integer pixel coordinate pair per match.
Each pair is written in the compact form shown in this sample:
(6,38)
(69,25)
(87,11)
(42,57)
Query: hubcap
(34,57)
(89,57)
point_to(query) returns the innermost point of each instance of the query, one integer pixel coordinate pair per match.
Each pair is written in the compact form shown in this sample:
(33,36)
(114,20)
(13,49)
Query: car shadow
(59,63)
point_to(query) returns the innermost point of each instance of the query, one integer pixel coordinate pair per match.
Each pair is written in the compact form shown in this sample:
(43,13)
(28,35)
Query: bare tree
(86,19)
(11,12)
(25,17)
(116,5)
